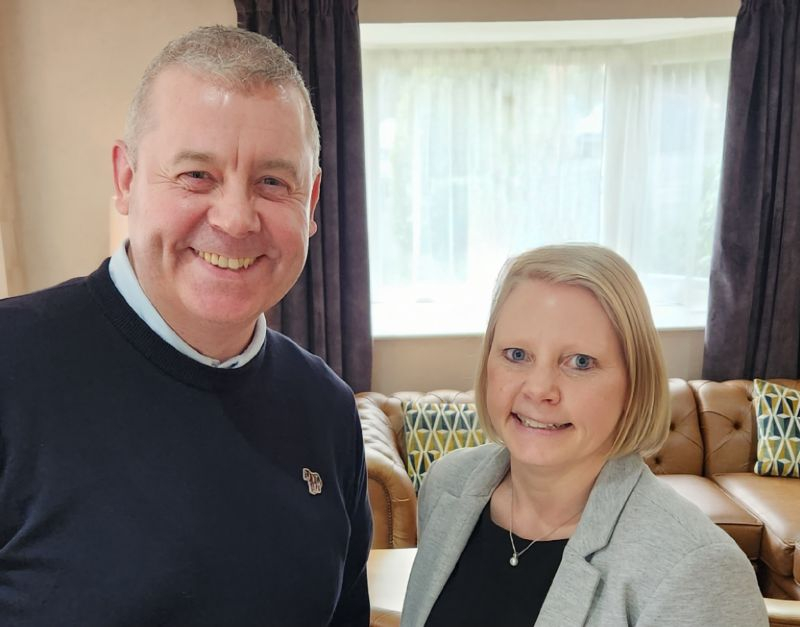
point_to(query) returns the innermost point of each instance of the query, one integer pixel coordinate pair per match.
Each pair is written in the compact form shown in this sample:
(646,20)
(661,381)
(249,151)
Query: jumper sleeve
(353,606)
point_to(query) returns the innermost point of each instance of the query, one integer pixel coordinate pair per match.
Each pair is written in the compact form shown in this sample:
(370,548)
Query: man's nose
(541,384)
(234,213)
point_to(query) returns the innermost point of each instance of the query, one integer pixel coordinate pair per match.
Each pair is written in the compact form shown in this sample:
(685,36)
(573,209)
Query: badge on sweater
(313,480)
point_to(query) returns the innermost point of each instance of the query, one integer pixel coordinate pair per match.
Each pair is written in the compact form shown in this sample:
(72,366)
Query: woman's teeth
(535,424)
(228,263)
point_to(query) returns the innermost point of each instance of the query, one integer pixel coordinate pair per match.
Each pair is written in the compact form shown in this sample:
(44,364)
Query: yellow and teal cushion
(435,429)
(777,409)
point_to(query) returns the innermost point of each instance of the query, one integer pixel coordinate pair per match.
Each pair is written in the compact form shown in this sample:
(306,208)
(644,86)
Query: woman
(560,522)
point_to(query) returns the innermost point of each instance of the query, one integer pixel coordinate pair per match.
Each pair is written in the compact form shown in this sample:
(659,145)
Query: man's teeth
(229,263)
(535,424)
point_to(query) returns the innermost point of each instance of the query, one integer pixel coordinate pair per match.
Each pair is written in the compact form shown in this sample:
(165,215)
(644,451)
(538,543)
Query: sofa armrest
(393,502)
(391,493)
(783,613)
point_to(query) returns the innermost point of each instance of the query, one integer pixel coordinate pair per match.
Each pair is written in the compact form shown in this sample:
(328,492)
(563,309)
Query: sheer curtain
(10,271)
(475,154)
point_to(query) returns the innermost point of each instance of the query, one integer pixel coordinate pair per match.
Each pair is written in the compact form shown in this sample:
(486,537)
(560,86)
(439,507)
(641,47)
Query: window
(477,151)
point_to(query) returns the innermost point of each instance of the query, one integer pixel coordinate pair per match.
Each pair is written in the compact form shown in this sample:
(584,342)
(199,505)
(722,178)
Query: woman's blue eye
(582,362)
(515,354)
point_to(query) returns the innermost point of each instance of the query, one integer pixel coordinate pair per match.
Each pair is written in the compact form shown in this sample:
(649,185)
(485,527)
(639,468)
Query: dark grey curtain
(328,310)
(754,305)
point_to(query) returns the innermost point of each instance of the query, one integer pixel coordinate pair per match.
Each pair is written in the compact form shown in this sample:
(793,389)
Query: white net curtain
(475,154)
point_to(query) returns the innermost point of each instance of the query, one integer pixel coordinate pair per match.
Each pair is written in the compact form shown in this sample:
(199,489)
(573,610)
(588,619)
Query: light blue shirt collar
(125,280)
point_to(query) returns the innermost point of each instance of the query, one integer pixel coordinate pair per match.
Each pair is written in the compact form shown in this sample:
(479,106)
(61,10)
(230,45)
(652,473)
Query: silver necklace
(515,555)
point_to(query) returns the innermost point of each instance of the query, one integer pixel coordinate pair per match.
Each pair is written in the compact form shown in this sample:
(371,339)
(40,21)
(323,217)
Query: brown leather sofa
(708,458)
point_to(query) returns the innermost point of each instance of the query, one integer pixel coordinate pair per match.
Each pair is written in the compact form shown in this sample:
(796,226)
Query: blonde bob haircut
(644,424)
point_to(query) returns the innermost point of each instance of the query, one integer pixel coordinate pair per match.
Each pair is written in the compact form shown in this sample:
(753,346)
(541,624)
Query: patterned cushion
(777,410)
(434,429)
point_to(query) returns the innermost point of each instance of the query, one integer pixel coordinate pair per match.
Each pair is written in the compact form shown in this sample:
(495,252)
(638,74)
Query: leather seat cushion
(776,502)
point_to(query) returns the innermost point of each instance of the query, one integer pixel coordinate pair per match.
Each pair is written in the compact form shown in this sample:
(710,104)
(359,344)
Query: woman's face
(556,377)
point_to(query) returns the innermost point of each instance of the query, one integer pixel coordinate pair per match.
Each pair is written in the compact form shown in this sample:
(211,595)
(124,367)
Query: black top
(484,589)
(139,487)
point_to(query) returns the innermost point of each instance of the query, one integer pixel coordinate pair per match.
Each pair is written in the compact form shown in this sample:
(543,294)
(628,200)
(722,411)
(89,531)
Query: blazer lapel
(448,529)
(570,597)
(573,590)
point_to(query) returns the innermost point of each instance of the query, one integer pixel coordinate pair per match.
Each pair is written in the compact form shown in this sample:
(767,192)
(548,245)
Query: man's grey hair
(230,57)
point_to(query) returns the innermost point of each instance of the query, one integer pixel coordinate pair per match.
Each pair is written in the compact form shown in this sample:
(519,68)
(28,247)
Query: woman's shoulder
(667,512)
(660,546)
(661,530)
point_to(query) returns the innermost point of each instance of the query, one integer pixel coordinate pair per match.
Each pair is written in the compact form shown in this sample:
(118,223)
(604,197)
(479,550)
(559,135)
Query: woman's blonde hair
(644,424)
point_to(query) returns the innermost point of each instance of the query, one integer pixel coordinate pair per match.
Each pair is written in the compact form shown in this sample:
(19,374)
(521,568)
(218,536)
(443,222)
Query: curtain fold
(11,280)
(753,327)
(328,310)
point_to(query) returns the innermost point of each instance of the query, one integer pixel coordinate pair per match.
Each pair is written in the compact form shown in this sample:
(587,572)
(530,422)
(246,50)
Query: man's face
(220,205)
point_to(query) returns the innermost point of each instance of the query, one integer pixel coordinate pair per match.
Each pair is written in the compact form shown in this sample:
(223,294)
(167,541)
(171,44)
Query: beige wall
(11,279)
(68,69)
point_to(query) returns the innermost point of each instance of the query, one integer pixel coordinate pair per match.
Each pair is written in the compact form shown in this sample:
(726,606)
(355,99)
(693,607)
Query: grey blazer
(640,555)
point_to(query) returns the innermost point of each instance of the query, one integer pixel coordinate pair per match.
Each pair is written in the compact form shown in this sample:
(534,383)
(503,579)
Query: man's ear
(312,224)
(123,177)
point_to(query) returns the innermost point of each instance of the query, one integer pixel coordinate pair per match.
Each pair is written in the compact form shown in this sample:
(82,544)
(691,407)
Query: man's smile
(221,261)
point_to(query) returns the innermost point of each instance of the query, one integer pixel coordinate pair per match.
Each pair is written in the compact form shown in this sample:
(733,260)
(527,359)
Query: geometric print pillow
(435,429)
(777,408)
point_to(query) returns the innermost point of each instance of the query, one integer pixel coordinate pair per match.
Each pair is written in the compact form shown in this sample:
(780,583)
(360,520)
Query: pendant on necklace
(513,561)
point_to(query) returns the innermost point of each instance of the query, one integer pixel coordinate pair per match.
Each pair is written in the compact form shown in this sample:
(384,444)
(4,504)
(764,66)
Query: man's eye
(196,174)
(514,354)
(272,182)
(581,361)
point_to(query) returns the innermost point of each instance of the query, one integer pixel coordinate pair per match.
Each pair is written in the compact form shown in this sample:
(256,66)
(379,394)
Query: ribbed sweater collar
(159,352)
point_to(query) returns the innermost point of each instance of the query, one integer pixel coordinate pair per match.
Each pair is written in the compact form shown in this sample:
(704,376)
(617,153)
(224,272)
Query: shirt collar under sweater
(127,283)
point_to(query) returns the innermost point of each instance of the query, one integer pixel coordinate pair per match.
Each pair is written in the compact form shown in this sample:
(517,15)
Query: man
(165,458)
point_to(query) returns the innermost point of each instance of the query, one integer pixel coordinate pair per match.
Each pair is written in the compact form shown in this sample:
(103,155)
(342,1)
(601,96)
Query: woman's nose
(541,384)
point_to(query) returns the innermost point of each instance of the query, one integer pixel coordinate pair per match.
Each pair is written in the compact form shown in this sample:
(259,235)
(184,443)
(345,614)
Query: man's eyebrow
(192,155)
(278,164)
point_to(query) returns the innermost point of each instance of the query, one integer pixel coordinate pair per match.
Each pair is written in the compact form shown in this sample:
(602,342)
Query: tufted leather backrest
(727,419)
(682,453)
(392,406)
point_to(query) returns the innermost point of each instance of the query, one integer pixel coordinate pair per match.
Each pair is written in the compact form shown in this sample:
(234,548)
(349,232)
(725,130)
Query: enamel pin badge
(313,480)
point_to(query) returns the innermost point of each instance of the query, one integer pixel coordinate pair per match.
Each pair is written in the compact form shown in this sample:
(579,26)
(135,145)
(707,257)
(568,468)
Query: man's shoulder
(301,368)
(34,308)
